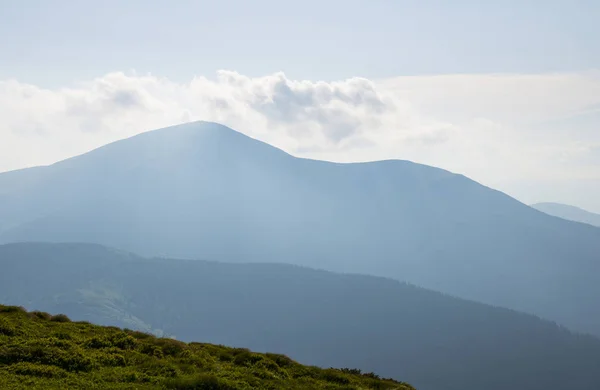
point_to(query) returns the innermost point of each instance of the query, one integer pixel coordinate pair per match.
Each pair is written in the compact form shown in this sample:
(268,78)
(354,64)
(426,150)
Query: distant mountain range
(204,191)
(434,341)
(571,213)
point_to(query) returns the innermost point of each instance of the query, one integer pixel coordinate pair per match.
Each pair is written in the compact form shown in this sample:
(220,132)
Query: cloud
(498,129)
(503,97)
(337,110)
(297,115)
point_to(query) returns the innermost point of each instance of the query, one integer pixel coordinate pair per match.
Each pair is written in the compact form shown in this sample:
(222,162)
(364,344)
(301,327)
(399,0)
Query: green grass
(43,351)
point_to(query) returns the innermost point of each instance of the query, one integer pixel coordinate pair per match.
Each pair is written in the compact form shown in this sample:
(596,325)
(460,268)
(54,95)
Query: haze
(331,195)
(507,94)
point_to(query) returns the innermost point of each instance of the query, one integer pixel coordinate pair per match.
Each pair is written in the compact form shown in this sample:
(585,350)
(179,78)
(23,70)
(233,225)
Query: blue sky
(61,41)
(505,92)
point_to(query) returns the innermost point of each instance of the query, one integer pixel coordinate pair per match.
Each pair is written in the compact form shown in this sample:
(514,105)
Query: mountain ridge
(190,194)
(568,212)
(431,340)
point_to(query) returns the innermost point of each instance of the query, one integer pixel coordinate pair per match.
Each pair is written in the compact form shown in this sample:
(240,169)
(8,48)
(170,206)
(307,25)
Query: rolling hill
(204,191)
(432,341)
(570,213)
(43,351)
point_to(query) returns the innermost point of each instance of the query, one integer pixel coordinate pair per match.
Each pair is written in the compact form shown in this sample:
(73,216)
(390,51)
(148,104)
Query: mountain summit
(204,191)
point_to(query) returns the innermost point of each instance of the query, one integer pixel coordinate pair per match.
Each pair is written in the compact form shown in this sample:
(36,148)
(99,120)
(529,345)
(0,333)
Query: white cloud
(498,129)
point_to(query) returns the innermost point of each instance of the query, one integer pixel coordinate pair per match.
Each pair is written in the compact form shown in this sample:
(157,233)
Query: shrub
(6,328)
(281,360)
(371,375)
(305,372)
(43,353)
(42,315)
(113,360)
(224,355)
(334,376)
(351,371)
(74,361)
(60,318)
(152,350)
(61,343)
(120,341)
(139,335)
(123,341)
(37,370)
(159,367)
(135,377)
(12,309)
(268,364)
(246,358)
(63,336)
(98,343)
(200,382)
(170,347)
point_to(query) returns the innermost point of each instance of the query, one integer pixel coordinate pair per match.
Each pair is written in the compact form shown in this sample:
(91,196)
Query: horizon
(514,106)
(274,146)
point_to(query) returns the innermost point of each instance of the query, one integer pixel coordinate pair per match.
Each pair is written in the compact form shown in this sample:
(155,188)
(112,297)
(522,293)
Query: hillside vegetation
(39,350)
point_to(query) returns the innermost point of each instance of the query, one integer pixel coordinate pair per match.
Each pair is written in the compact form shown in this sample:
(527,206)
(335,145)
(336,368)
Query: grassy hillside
(39,350)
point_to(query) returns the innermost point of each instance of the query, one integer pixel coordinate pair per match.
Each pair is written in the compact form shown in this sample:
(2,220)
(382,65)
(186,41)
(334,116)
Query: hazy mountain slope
(43,351)
(433,341)
(571,213)
(205,191)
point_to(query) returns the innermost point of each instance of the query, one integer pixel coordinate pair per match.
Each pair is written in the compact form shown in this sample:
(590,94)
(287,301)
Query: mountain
(380,325)
(571,213)
(46,351)
(204,191)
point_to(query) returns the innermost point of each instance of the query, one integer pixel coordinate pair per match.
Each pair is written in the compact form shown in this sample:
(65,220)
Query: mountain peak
(194,134)
(195,128)
(174,144)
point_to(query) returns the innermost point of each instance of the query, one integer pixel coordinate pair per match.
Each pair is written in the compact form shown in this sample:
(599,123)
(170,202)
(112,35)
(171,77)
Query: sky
(507,93)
